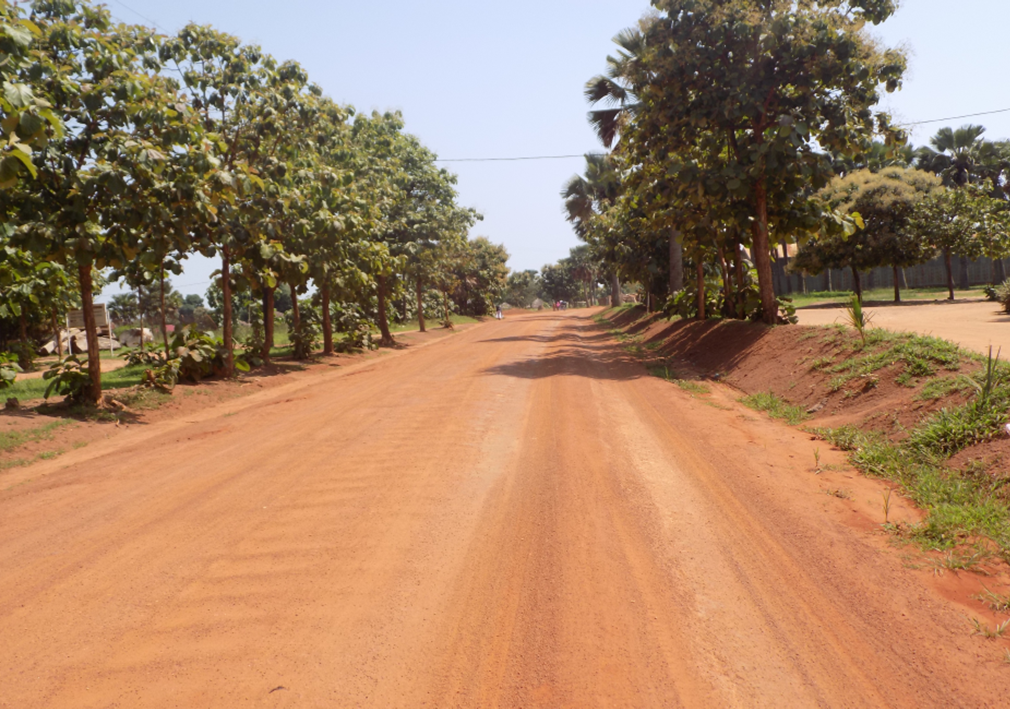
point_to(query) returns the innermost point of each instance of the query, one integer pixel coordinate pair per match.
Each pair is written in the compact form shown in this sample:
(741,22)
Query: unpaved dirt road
(974,325)
(515,516)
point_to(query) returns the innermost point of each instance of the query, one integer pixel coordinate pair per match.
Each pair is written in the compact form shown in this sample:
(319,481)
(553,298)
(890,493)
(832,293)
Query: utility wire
(955,118)
(532,157)
(580,155)
(146,19)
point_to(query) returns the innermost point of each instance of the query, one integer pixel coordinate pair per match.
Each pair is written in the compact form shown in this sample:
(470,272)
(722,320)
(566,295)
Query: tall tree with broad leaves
(229,83)
(772,85)
(105,87)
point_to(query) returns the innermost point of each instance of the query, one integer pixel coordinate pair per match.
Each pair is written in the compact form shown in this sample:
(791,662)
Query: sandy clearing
(511,517)
(972,325)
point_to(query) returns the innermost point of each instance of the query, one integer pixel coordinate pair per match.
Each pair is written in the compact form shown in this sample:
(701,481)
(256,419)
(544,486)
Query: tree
(522,288)
(26,118)
(228,82)
(952,221)
(956,155)
(760,88)
(102,90)
(481,276)
(886,202)
(587,199)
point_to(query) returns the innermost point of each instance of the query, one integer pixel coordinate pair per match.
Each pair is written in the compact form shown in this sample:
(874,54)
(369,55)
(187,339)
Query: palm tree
(960,157)
(614,88)
(956,155)
(588,196)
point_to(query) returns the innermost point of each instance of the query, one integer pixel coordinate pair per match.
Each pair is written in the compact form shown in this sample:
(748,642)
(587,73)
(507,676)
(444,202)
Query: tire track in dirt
(515,516)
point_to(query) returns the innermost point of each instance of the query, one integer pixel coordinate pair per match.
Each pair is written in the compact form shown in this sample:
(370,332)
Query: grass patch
(801,300)
(920,356)
(957,506)
(941,387)
(11,440)
(28,389)
(670,375)
(775,407)
(432,323)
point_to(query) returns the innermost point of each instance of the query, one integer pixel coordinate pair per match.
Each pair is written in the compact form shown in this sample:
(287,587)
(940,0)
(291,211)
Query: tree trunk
(164,325)
(728,308)
(700,268)
(829,286)
(615,290)
(387,338)
(296,313)
(999,271)
(226,325)
(950,273)
(445,302)
(140,313)
(676,262)
(741,304)
(23,328)
(897,284)
(324,295)
(856,284)
(59,334)
(94,393)
(420,304)
(762,255)
(965,277)
(268,322)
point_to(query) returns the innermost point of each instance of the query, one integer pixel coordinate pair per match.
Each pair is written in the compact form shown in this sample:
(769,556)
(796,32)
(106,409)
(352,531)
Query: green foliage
(1001,294)
(199,354)
(305,337)
(775,407)
(9,369)
(957,505)
(885,201)
(983,418)
(857,318)
(68,378)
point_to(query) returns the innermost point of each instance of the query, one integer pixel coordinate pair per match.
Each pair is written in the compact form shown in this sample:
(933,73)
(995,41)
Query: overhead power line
(143,17)
(580,155)
(531,157)
(956,118)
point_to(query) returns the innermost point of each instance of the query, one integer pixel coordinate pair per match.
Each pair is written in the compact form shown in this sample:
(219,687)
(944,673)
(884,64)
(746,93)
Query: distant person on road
(498,313)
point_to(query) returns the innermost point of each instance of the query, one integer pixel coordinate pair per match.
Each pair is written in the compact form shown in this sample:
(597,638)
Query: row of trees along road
(126,151)
(736,127)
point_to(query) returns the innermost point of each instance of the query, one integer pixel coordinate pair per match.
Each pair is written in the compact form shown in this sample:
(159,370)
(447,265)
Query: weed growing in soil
(957,506)
(775,407)
(839,493)
(952,561)
(987,633)
(998,602)
(664,372)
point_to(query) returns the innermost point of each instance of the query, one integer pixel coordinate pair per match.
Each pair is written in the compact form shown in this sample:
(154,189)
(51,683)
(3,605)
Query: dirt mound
(890,385)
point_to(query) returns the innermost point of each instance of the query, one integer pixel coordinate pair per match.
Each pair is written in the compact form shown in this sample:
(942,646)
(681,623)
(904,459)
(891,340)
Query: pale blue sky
(505,79)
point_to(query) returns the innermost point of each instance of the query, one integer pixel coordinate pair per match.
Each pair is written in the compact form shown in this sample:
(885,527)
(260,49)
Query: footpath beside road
(974,325)
(514,516)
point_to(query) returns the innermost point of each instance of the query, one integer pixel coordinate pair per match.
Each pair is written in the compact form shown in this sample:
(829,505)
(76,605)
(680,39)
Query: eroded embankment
(916,410)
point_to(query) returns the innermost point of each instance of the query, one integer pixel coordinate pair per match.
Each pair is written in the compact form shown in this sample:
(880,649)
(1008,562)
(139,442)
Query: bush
(25,353)
(68,378)
(9,369)
(200,355)
(305,337)
(1001,295)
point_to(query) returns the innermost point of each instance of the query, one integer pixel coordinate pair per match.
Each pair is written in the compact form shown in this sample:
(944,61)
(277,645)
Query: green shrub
(9,369)
(1002,295)
(305,337)
(68,378)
